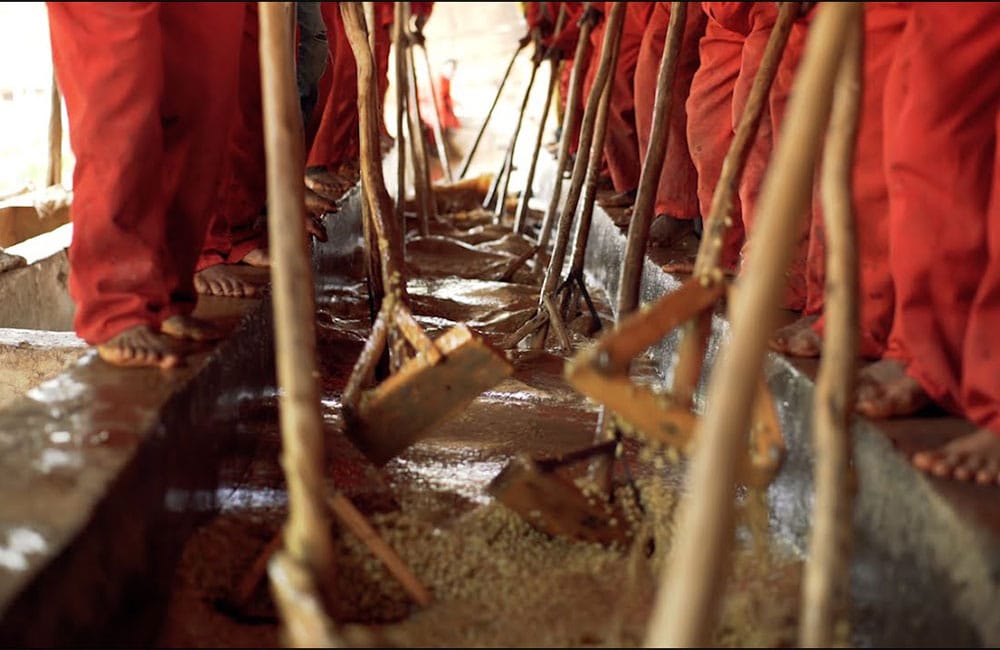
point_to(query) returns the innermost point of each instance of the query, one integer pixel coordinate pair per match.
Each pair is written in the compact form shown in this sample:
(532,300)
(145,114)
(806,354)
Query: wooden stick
(348,515)
(686,605)
(54,175)
(508,166)
(652,166)
(584,151)
(577,74)
(306,624)
(307,537)
(521,214)
(489,114)
(442,146)
(595,160)
(426,206)
(826,582)
(398,38)
(695,333)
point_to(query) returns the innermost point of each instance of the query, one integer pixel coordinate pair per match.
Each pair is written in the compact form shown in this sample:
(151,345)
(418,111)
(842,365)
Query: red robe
(677,192)
(150,89)
(941,108)
(621,145)
(731,50)
(884,23)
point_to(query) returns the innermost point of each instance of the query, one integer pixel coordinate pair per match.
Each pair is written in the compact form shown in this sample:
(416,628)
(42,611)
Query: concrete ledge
(30,357)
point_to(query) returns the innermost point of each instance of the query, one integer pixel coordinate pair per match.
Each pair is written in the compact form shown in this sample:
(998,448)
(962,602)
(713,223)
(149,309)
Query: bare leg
(138,346)
(219,280)
(885,390)
(797,339)
(974,457)
(183,326)
(318,205)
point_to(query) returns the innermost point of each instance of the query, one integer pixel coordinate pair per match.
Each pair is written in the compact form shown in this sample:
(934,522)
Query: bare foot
(258,257)
(9,262)
(885,391)
(183,326)
(619,200)
(318,205)
(219,280)
(797,339)
(138,346)
(974,457)
(665,231)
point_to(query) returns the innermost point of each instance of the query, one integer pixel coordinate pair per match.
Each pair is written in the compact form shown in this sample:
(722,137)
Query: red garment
(884,23)
(233,230)
(731,51)
(336,133)
(149,90)
(565,39)
(709,111)
(941,103)
(621,145)
(677,193)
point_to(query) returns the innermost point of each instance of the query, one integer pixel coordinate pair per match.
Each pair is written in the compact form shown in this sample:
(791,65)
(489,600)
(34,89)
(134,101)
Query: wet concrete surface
(138,500)
(496,580)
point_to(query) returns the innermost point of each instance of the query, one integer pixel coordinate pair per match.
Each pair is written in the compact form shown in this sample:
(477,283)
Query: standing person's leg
(676,205)
(976,456)
(709,111)
(335,146)
(108,59)
(313,53)
(235,231)
(762,16)
(621,144)
(202,45)
(941,104)
(884,23)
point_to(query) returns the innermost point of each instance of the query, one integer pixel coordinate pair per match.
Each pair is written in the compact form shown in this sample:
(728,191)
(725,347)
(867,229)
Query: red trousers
(336,132)
(731,51)
(621,144)
(677,192)
(884,23)
(941,107)
(233,230)
(149,90)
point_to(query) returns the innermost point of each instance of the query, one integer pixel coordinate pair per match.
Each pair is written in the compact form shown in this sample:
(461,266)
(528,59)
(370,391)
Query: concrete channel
(106,473)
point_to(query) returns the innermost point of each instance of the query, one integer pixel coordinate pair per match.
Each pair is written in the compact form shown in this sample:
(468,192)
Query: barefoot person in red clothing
(149,89)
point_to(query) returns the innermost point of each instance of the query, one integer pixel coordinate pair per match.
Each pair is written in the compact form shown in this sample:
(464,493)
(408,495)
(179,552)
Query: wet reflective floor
(496,580)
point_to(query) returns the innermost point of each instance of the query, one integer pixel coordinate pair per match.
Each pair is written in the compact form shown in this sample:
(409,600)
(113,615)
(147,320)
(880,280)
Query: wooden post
(307,534)
(695,333)
(579,71)
(826,580)
(652,166)
(482,129)
(687,602)
(442,146)
(521,214)
(54,175)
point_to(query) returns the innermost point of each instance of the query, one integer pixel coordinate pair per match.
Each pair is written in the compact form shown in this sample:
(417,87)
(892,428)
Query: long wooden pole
(307,534)
(503,183)
(399,41)
(707,266)
(54,175)
(580,58)
(442,146)
(825,583)
(482,129)
(521,214)
(687,602)
(652,166)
